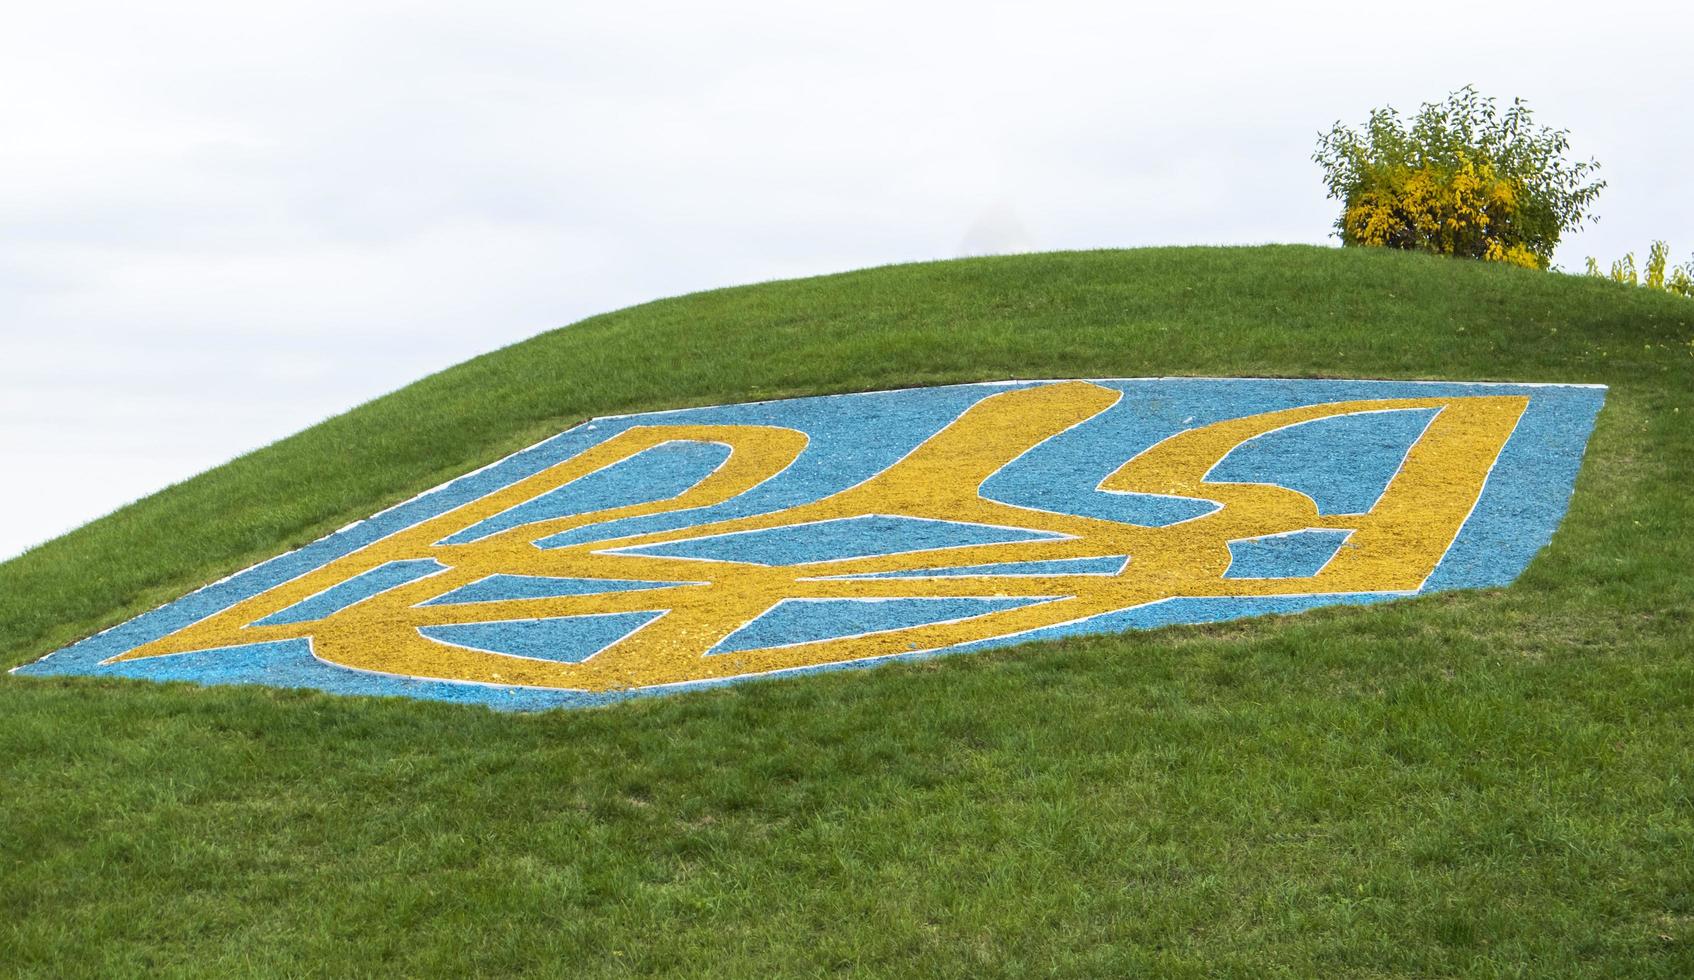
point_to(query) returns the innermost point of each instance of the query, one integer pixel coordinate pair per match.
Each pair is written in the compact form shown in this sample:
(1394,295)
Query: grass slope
(1487,783)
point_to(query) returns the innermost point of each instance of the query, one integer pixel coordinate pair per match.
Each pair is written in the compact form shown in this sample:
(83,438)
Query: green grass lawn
(1486,783)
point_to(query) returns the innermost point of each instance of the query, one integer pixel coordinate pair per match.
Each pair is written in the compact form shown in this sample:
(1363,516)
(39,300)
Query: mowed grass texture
(1484,783)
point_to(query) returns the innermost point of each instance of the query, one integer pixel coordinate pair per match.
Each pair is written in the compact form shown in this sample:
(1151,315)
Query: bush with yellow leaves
(1463,179)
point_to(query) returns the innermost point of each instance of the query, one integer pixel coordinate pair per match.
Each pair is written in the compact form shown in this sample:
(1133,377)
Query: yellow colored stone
(1393,548)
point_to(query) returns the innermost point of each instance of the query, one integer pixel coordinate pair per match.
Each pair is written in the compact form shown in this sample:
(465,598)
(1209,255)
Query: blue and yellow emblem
(674,549)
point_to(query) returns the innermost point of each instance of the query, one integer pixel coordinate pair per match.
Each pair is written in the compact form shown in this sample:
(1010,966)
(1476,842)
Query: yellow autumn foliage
(1459,210)
(1463,177)
(1658,275)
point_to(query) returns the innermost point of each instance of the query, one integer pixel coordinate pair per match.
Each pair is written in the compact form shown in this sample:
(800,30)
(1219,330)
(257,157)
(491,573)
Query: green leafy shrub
(1462,178)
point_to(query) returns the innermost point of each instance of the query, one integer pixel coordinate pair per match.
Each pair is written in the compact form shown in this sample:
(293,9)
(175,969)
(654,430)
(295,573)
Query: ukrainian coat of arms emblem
(674,549)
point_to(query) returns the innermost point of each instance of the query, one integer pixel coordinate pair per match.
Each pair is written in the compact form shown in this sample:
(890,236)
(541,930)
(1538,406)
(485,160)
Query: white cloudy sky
(221,222)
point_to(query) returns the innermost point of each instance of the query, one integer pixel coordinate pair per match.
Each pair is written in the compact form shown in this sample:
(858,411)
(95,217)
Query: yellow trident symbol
(1394,547)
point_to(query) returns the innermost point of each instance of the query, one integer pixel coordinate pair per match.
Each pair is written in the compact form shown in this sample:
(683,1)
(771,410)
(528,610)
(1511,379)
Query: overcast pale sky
(220,223)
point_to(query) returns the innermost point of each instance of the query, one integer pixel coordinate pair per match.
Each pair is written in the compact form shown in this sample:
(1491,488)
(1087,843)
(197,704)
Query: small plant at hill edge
(1657,275)
(1462,179)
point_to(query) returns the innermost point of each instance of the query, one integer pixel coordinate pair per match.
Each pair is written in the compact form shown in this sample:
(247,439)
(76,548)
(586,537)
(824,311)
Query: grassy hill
(1485,782)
